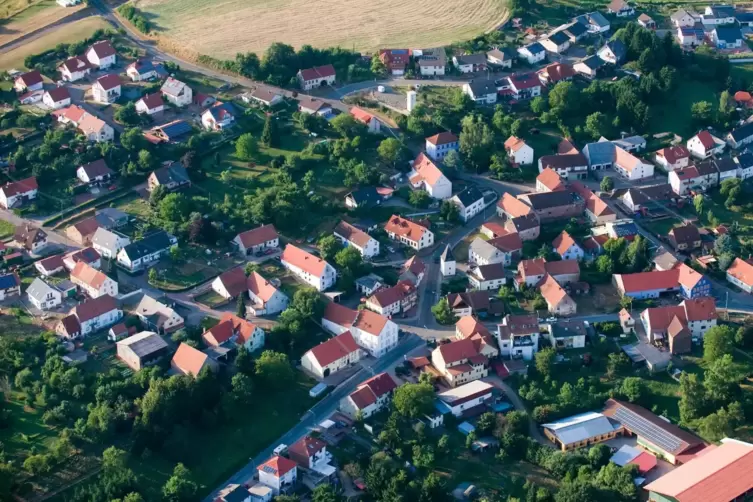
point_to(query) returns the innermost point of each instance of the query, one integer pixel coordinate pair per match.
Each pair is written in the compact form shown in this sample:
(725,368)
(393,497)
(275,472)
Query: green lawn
(195,267)
(743,71)
(660,227)
(211,299)
(135,206)
(6,229)
(673,114)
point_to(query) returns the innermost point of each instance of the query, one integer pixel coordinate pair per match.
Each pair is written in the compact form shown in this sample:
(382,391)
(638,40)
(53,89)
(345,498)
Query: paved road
(323,409)
(52,236)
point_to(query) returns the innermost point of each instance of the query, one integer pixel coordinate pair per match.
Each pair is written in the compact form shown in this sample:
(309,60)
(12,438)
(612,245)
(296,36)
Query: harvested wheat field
(221,28)
(38,15)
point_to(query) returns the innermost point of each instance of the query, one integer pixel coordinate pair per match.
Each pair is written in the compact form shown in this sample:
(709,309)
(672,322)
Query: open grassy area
(211,299)
(192,269)
(674,113)
(38,15)
(69,33)
(661,227)
(224,27)
(6,229)
(11,8)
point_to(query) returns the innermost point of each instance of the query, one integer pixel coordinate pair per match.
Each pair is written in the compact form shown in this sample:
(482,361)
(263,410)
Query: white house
(146,252)
(108,243)
(460,362)
(409,233)
(740,273)
(43,296)
(370,397)
(57,98)
(715,15)
(501,249)
(565,246)
(102,54)
(469,202)
(392,300)
(352,236)
(465,397)
(157,316)
(141,69)
(447,263)
(726,37)
(257,240)
(744,169)
(94,172)
(93,282)
(557,42)
(373,332)
(150,104)
(673,157)
(308,268)
(74,69)
(481,90)
(487,277)
(740,136)
(373,125)
(278,473)
(318,76)
(469,63)
(532,53)
(518,336)
(15,193)
(218,117)
(176,92)
(681,18)
(10,285)
(231,283)
(265,298)
(566,334)
(106,89)
(439,145)
(613,52)
(620,8)
(703,145)
(231,332)
(426,175)
(502,58)
(518,151)
(90,316)
(95,129)
(431,62)
(28,82)
(329,357)
(520,86)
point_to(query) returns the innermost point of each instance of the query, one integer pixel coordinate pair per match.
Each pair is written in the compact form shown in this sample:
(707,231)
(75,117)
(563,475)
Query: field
(72,32)
(36,16)
(222,28)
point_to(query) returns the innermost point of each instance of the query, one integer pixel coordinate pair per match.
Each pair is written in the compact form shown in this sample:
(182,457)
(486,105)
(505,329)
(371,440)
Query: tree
(128,115)
(732,189)
(180,487)
(721,380)
(347,126)
(245,147)
(419,198)
(453,161)
(274,368)
(325,493)
(701,112)
(269,136)
(390,150)
(631,388)
(597,125)
(413,400)
(723,422)
(545,361)
(240,306)
(717,342)
(133,139)
(605,264)
(599,455)
(539,105)
(449,212)
(476,140)
(443,313)
(152,276)
(698,204)
(724,244)
(692,397)
(744,336)
(328,247)
(616,362)
(607,184)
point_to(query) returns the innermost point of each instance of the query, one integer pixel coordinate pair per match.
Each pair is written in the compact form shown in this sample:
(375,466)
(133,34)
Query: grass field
(674,113)
(10,8)
(224,27)
(36,16)
(73,32)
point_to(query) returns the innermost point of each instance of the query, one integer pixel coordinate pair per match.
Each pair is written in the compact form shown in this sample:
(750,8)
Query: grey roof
(679,14)
(469,196)
(618,49)
(503,54)
(535,48)
(594,62)
(152,243)
(364,195)
(568,328)
(39,290)
(482,87)
(546,200)
(432,57)
(153,310)
(601,152)
(575,29)
(596,19)
(447,254)
(720,11)
(174,172)
(725,164)
(475,59)
(489,272)
(742,132)
(144,344)
(728,34)
(110,217)
(745,160)
(107,239)
(483,249)
(369,281)
(558,37)
(630,141)
(172,87)
(580,427)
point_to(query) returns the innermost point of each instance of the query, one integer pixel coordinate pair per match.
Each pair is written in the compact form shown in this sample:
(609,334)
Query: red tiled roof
(370,322)
(30,78)
(234,281)
(304,260)
(277,466)
(305,448)
(513,206)
(73,113)
(558,71)
(335,348)
(260,287)
(414,265)
(318,72)
(742,271)
(361,115)
(380,384)
(442,138)
(743,96)
(59,94)
(363,397)
(153,101)
(70,324)
(645,461)
(706,140)
(352,234)
(88,275)
(259,235)
(243,328)
(339,314)
(103,49)
(509,242)
(563,242)
(405,228)
(513,144)
(562,267)
(550,179)
(20,187)
(645,281)
(674,153)
(565,147)
(87,227)
(218,334)
(95,307)
(426,170)
(189,360)
(75,64)
(551,290)
(457,350)
(109,81)
(52,263)
(389,296)
(496,229)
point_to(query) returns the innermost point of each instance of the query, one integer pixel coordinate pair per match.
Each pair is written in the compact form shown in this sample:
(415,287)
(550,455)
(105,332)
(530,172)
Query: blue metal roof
(177,128)
(535,48)
(598,153)
(8,281)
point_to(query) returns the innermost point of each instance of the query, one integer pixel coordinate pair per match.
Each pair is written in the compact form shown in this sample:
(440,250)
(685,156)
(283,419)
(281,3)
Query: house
(684,180)
(620,8)
(349,235)
(427,176)
(677,326)
(29,81)
(557,300)
(590,66)
(88,256)
(447,263)
(50,266)
(557,42)
(218,117)
(172,132)
(607,154)
(714,15)
(32,97)
(313,106)
(83,231)
(685,237)
(744,18)
(265,298)
(682,279)
(518,336)
(518,151)
(395,60)
(232,331)
(487,277)
(565,246)
(374,333)
(145,252)
(469,202)
(108,243)
(532,53)
(460,362)
(190,361)
(431,62)
(264,95)
(367,197)
(106,89)
(102,54)
(597,210)
(691,36)
(492,230)
(640,199)
(567,334)
(279,474)
(30,238)
(554,205)
(119,332)
(469,396)
(311,453)
(510,207)
(141,69)
(176,92)
(681,18)
(595,22)
(69,115)
(470,63)
(503,249)
(468,328)
(481,90)
(329,357)
(141,350)
(93,282)
(581,430)
(257,240)
(556,72)
(94,172)
(16,193)
(575,31)
(532,272)
(373,125)
(90,316)
(646,21)
(726,37)
(502,58)
(230,283)
(172,176)
(549,181)
(57,98)
(41,294)
(469,303)
(308,268)
(393,300)
(370,397)
(568,166)
(744,169)
(718,469)
(95,129)
(520,86)
(703,145)
(614,52)
(10,285)
(74,69)
(412,270)
(527,227)
(740,273)
(631,143)
(311,78)
(673,157)
(741,136)
(439,145)
(409,233)
(150,104)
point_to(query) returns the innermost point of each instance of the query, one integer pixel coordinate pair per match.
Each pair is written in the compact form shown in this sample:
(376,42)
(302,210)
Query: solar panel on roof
(268,469)
(177,128)
(652,432)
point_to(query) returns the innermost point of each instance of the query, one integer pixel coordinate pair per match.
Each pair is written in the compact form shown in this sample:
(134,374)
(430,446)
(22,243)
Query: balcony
(522,341)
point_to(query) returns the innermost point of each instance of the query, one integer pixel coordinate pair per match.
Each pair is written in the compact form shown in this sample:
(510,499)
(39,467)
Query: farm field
(222,28)
(37,15)
(73,32)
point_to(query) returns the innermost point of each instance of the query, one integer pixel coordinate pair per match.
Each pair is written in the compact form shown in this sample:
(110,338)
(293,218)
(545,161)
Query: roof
(306,447)
(679,14)
(547,200)
(562,267)
(76,63)
(743,96)
(90,123)
(389,296)
(559,37)
(523,223)
(509,242)
(513,144)
(742,271)
(405,228)
(156,312)
(742,132)
(617,5)
(685,234)
(471,59)
(617,48)
(260,287)
(241,327)
(361,115)
(87,227)
(103,49)
(720,475)
(277,466)
(52,263)
(568,327)
(318,72)
(13,188)
(59,94)
(70,324)
(580,427)
(512,206)
(552,291)
(706,139)
(221,111)
(172,87)
(674,153)
(259,235)
(501,54)
(335,348)
(476,300)
(723,165)
(30,78)
(489,272)
(442,138)
(312,104)
(563,161)
(95,307)
(174,172)
(447,254)
(575,29)
(380,384)
(728,34)
(339,314)
(594,62)
(86,255)
(653,193)
(352,234)
(468,327)
(482,248)
(651,427)
(96,168)
(106,238)
(644,17)
(142,66)
(189,360)
(558,71)
(8,281)
(152,101)
(426,170)
(464,393)
(149,244)
(563,242)
(144,344)
(304,260)
(482,86)
(527,80)
(647,281)
(109,81)
(550,179)
(370,322)
(469,196)
(535,48)
(74,113)
(88,275)
(413,265)
(234,281)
